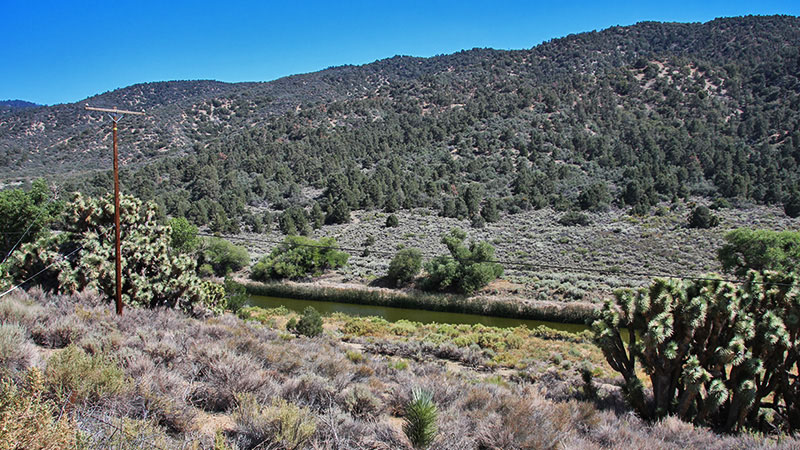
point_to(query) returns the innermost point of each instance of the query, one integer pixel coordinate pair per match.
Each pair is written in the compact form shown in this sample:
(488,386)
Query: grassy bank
(577,313)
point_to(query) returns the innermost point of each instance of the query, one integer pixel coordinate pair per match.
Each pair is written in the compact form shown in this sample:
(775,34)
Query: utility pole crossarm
(113,111)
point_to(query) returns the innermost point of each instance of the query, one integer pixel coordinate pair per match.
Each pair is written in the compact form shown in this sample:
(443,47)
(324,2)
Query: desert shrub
(183,235)
(713,351)
(746,249)
(392,221)
(573,218)
(26,212)
(221,373)
(13,310)
(235,295)
(224,256)
(525,420)
(360,402)
(297,257)
(701,217)
(420,419)
(405,265)
(309,390)
(152,275)
(15,351)
(73,374)
(283,424)
(466,270)
(28,418)
(310,323)
(58,332)
(127,434)
(354,356)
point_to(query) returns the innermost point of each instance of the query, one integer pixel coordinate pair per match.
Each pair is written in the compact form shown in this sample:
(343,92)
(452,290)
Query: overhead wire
(25,233)
(58,260)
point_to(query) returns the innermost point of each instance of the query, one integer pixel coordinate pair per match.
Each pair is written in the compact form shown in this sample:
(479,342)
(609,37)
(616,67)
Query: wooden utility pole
(115,115)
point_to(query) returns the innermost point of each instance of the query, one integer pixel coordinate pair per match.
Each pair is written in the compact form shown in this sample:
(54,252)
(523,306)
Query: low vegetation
(157,377)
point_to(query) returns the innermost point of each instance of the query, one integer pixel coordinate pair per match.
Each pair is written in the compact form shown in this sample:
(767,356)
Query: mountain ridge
(654,102)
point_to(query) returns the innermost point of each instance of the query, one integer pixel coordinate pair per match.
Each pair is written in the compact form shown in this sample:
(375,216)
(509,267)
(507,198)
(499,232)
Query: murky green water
(415,315)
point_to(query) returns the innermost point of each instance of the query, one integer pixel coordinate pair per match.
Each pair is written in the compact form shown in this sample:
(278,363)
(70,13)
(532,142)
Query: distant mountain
(8,106)
(17,104)
(631,115)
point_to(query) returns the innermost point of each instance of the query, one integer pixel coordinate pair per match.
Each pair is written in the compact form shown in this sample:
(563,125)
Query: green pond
(414,315)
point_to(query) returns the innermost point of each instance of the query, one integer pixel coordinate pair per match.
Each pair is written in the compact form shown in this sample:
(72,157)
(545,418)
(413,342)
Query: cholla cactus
(152,275)
(713,352)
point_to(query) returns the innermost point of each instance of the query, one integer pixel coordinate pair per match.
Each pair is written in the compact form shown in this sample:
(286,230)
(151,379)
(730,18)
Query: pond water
(415,315)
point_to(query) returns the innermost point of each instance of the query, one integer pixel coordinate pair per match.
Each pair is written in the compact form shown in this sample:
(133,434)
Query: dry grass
(160,377)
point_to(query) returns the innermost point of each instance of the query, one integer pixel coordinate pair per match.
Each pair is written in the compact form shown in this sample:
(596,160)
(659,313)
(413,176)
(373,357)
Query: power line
(25,233)
(61,258)
(41,271)
(518,264)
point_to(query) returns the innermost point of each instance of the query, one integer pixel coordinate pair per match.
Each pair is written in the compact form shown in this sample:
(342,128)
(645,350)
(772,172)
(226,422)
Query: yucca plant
(420,419)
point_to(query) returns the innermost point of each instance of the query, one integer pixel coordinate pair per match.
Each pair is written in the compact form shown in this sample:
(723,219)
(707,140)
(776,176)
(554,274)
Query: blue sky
(64,51)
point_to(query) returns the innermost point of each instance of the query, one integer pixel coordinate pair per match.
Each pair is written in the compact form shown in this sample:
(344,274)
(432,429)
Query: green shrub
(235,295)
(392,221)
(28,418)
(310,323)
(22,212)
(746,249)
(183,235)
(420,419)
(701,217)
(282,424)
(466,270)
(298,257)
(73,374)
(405,265)
(224,256)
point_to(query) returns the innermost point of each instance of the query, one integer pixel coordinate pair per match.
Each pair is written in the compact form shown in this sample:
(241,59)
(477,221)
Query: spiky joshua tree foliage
(714,351)
(153,274)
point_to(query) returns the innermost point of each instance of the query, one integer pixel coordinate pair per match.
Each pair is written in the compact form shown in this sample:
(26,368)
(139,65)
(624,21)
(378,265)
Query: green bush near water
(298,257)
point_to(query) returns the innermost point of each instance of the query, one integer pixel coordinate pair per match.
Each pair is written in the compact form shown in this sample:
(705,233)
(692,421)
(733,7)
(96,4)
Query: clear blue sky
(64,51)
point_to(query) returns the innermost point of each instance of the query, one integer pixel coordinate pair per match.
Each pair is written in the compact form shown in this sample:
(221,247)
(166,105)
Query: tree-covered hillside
(628,115)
